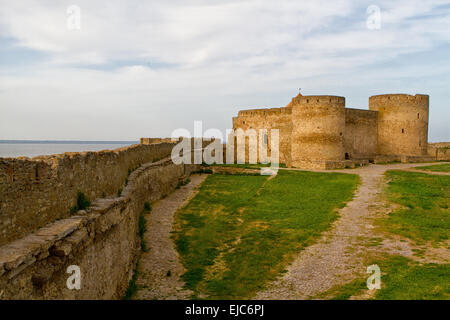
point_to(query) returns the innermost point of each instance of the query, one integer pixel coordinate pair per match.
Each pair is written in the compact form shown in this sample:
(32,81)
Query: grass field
(239,232)
(436,168)
(425,201)
(424,217)
(401,279)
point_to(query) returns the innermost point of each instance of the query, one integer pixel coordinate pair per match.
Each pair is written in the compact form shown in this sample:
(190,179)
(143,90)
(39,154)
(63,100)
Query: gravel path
(338,257)
(159,269)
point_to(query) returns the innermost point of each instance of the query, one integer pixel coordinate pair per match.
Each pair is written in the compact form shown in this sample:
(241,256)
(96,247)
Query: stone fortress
(319,132)
(42,232)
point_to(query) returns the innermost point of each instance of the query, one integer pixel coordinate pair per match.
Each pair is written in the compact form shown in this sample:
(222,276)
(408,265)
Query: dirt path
(159,269)
(338,257)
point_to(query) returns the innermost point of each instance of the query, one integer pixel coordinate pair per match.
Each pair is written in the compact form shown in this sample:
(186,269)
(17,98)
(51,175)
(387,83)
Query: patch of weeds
(419,252)
(119,192)
(130,171)
(375,242)
(82,203)
(182,183)
(203,170)
(142,224)
(132,286)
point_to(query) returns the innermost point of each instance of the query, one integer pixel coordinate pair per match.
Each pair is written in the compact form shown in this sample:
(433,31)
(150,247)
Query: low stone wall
(233,170)
(102,241)
(443,154)
(35,192)
(382,159)
(440,150)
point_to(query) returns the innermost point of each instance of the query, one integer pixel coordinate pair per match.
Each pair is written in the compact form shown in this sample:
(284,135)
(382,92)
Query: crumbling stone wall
(37,191)
(103,241)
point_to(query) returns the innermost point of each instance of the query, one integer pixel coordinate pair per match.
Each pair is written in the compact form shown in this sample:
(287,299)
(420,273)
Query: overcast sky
(144,68)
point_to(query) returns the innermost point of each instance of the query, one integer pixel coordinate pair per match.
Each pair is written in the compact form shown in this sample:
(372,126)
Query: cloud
(179,61)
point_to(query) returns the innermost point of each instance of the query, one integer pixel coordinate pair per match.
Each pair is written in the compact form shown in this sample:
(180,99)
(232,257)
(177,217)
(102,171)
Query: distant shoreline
(66,142)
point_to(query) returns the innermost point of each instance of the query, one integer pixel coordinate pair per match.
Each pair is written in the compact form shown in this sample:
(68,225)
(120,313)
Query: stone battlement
(319,101)
(263,112)
(400,98)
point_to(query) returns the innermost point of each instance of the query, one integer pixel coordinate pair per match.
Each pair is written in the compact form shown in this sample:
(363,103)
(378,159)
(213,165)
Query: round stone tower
(318,124)
(402,123)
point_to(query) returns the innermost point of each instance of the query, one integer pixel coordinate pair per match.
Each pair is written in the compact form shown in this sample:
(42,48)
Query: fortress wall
(103,241)
(402,124)
(318,129)
(37,191)
(443,154)
(275,118)
(360,137)
(440,150)
(155,140)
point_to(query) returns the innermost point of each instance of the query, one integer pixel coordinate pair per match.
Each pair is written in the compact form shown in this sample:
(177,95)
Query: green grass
(425,200)
(246,165)
(436,168)
(401,279)
(82,203)
(239,232)
(142,224)
(132,285)
(343,292)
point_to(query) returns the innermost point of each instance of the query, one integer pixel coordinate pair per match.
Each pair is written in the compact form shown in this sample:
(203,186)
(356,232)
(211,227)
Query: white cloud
(191,60)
